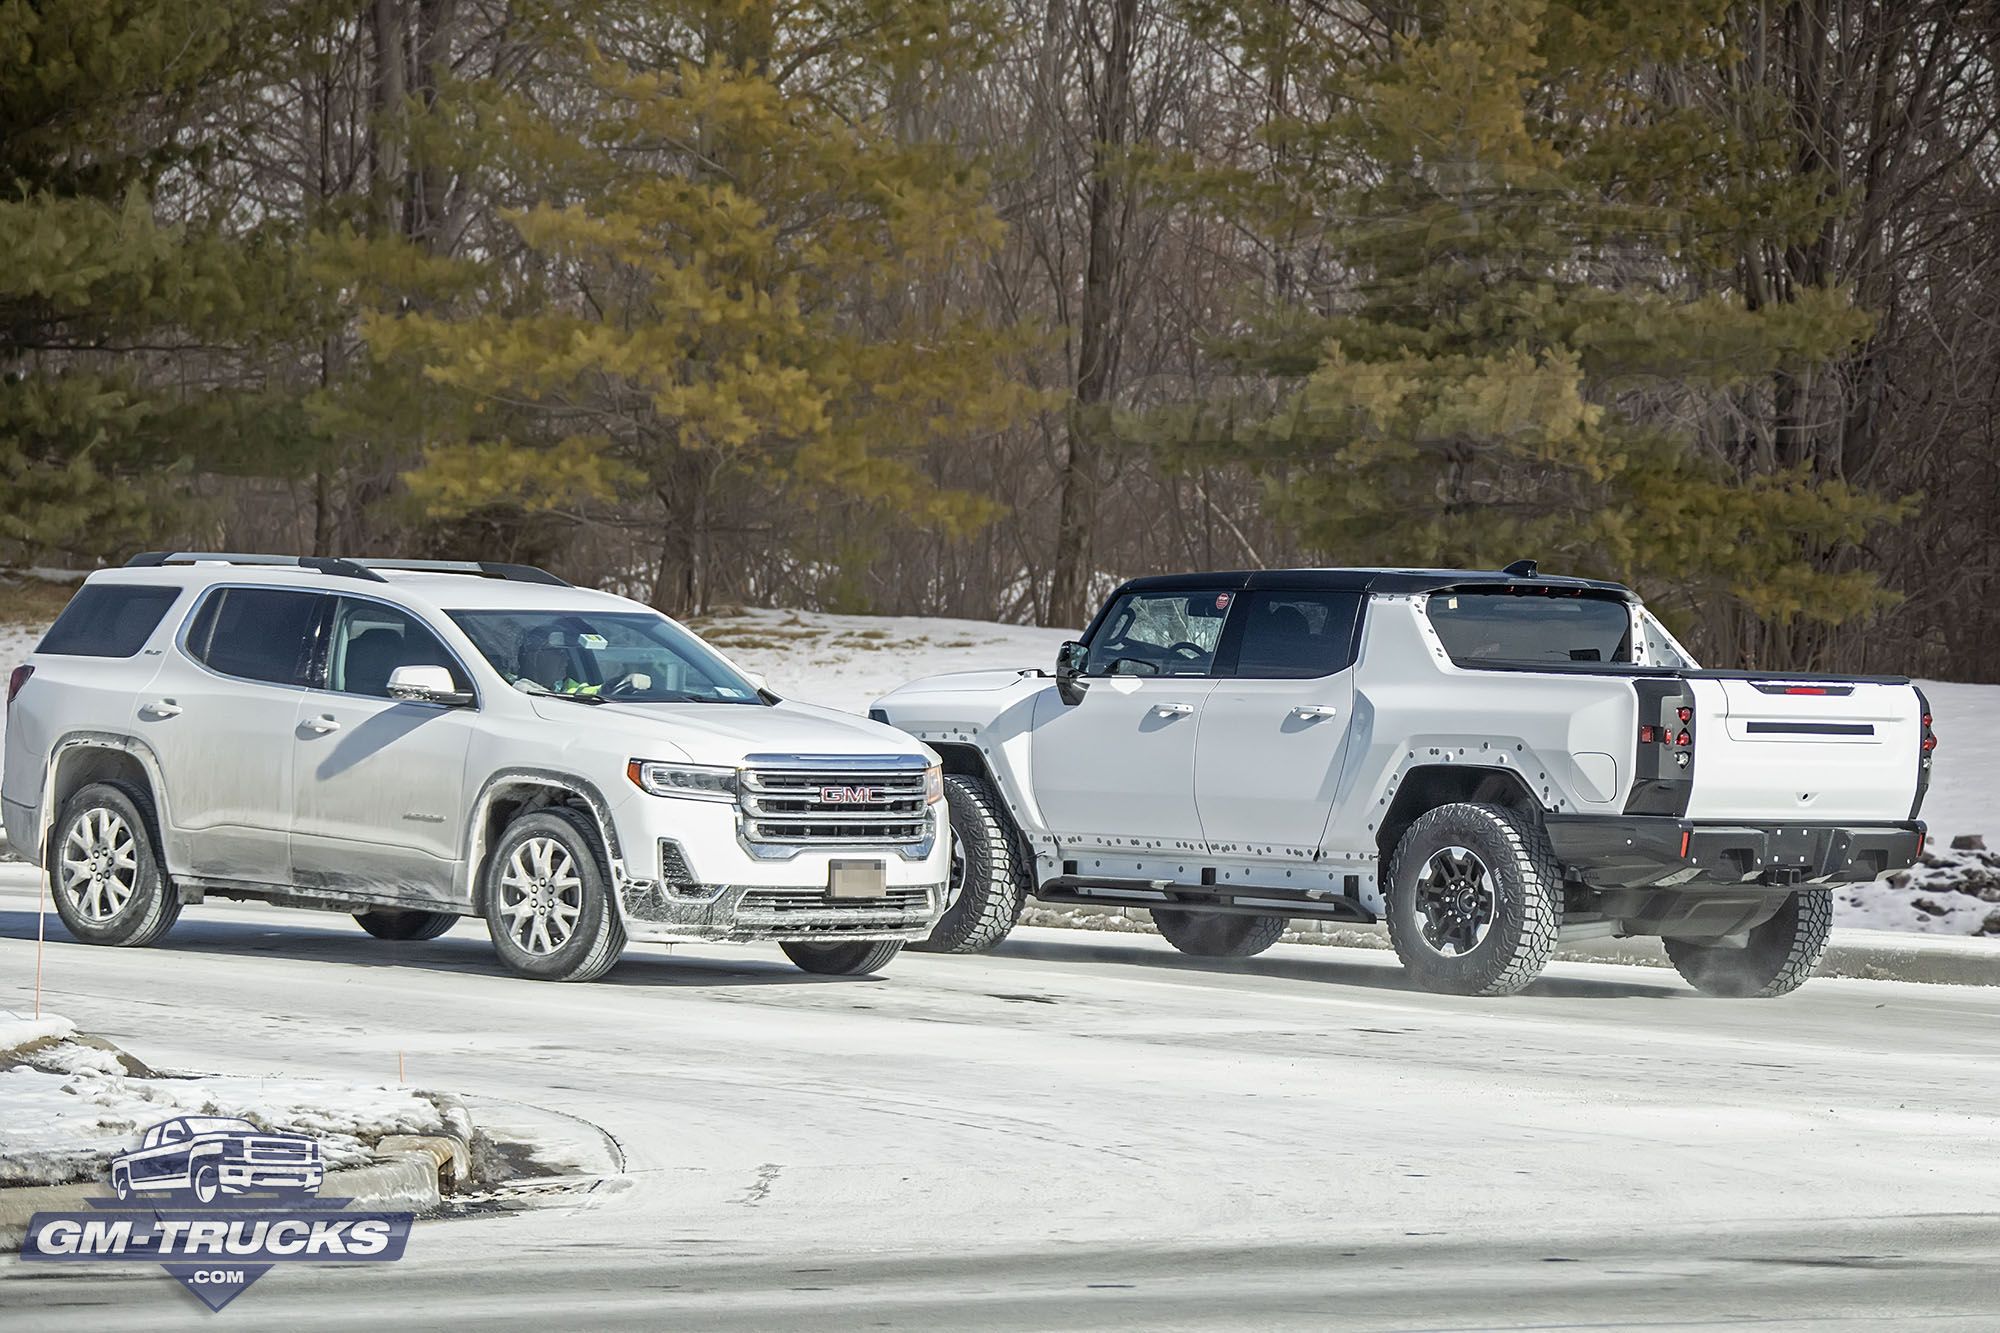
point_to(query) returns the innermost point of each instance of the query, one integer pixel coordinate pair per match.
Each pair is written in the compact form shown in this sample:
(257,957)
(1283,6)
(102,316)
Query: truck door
(1274,732)
(1120,764)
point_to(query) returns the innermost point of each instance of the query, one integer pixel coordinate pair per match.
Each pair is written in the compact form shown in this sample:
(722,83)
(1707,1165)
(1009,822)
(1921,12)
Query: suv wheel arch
(509,794)
(81,758)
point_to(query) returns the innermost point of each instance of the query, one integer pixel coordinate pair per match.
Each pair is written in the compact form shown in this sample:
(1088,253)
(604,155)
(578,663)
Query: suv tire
(1781,954)
(104,868)
(548,897)
(1474,900)
(986,859)
(847,958)
(388,923)
(1218,934)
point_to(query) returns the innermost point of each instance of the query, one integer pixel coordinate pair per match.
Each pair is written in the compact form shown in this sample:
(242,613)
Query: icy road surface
(1081,1131)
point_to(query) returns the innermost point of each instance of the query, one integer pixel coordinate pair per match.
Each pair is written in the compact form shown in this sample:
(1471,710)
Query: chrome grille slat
(786,807)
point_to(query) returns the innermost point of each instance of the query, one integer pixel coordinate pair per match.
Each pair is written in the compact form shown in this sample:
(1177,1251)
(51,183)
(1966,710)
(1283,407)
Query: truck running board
(1228,900)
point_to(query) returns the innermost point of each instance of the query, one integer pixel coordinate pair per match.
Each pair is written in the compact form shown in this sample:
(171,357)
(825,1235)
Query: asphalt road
(1083,1131)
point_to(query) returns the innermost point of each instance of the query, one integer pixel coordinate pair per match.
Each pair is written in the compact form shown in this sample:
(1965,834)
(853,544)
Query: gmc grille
(811,807)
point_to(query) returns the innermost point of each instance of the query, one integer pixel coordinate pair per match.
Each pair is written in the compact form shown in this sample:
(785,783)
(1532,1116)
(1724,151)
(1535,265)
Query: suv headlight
(934,784)
(702,782)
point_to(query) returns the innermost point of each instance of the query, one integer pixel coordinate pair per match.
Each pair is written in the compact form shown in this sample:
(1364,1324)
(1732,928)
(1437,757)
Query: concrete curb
(1870,955)
(410,1172)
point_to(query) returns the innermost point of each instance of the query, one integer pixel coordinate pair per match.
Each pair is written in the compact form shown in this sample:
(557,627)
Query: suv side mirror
(426,685)
(1070,659)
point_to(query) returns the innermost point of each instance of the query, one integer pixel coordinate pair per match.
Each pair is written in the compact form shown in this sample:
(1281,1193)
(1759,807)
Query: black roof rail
(323,564)
(492,569)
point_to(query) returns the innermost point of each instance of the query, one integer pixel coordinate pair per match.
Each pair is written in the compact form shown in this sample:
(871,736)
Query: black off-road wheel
(389,923)
(988,870)
(842,958)
(548,898)
(1217,934)
(1474,900)
(104,868)
(1780,955)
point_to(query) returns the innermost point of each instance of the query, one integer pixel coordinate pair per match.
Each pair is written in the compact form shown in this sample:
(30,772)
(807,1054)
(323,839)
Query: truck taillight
(1925,746)
(17,680)
(1664,776)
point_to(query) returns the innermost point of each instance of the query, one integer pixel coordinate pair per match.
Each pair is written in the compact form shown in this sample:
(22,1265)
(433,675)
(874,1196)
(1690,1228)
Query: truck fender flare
(1427,786)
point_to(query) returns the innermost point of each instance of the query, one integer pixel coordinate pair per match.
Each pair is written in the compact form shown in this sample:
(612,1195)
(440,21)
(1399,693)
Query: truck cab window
(1531,629)
(1159,634)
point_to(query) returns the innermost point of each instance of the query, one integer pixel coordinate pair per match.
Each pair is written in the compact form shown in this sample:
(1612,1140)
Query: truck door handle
(1313,712)
(322,724)
(1174,710)
(160,708)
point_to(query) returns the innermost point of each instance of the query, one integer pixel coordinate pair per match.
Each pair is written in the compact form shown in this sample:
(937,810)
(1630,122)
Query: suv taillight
(16,681)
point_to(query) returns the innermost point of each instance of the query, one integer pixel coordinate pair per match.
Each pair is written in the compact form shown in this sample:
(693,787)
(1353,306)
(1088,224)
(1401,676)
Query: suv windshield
(1531,628)
(629,656)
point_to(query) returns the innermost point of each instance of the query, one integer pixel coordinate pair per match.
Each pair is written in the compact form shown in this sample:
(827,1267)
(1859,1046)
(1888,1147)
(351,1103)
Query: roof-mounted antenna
(1521,569)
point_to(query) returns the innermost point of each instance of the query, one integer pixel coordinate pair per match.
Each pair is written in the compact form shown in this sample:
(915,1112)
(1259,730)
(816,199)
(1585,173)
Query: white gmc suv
(416,741)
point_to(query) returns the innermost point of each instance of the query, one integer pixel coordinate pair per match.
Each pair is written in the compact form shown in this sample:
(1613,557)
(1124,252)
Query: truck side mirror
(1070,659)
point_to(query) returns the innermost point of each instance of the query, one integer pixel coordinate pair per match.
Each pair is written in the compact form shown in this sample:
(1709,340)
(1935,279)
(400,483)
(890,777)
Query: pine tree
(1521,347)
(726,275)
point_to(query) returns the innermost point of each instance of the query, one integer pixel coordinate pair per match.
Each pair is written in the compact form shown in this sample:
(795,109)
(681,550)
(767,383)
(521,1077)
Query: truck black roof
(1368,580)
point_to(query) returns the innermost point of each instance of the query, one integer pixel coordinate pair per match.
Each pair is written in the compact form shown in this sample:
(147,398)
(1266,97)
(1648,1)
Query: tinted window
(371,640)
(1159,634)
(1531,628)
(108,620)
(256,633)
(1292,635)
(633,656)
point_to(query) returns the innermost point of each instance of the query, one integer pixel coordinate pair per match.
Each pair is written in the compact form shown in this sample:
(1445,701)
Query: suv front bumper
(688,875)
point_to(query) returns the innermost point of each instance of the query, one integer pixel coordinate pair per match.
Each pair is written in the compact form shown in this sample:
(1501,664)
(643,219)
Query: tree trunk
(1087,420)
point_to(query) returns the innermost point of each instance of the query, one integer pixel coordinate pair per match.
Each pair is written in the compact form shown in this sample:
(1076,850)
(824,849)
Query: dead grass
(25,600)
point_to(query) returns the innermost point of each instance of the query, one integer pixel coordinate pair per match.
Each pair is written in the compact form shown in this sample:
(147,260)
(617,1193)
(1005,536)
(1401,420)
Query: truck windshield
(1531,628)
(630,657)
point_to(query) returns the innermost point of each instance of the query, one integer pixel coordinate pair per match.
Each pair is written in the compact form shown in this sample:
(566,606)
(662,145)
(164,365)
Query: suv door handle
(1174,710)
(1312,712)
(322,724)
(160,708)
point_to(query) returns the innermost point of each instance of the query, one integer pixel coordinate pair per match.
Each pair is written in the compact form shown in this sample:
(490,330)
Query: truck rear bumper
(1637,851)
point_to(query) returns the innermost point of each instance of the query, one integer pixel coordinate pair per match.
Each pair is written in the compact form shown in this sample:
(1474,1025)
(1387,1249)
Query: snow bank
(67,1110)
(17,1030)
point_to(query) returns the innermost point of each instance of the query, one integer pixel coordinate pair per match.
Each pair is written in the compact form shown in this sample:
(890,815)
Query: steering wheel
(1194,652)
(629,683)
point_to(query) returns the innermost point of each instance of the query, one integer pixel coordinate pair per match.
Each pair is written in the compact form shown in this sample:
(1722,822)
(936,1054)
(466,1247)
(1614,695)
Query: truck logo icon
(211,1156)
(851,795)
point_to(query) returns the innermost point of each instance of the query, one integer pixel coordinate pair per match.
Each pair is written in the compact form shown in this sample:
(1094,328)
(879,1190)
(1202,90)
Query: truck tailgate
(1805,750)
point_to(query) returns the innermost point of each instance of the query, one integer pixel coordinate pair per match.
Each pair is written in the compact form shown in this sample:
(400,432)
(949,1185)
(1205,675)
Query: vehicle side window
(108,620)
(1296,635)
(173,1133)
(370,640)
(1159,634)
(1480,628)
(257,633)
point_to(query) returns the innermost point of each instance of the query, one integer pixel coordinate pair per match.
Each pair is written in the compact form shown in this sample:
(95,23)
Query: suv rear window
(256,633)
(108,620)
(1531,628)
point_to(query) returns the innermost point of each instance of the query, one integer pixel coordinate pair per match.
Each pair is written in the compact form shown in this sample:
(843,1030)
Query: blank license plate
(858,879)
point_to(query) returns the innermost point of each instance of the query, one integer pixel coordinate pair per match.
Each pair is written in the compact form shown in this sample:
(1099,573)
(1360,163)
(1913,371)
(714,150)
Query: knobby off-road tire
(1217,935)
(987,859)
(1474,900)
(389,923)
(1782,952)
(548,898)
(104,870)
(845,958)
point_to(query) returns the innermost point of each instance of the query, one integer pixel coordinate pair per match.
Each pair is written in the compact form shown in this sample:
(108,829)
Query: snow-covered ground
(848,661)
(67,1108)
